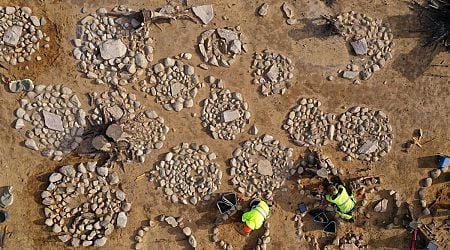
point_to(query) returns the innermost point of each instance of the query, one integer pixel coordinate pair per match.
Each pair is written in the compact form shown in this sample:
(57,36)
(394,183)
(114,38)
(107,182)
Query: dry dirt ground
(411,98)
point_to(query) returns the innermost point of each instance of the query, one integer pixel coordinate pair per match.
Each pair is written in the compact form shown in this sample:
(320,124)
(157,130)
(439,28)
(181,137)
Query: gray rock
(272,73)
(122,219)
(35,21)
(31,144)
(116,112)
(176,88)
(114,131)
(111,49)
(263,9)
(427,182)
(204,12)
(192,241)
(12,35)
(100,242)
(365,74)
(140,60)
(19,123)
(350,74)
(435,173)
(53,121)
(265,167)
(368,147)
(230,115)
(171,221)
(6,196)
(102,171)
(55,177)
(253,130)
(187,231)
(360,46)
(15,86)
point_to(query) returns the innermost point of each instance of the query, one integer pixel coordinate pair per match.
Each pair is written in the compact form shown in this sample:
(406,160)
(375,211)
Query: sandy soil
(411,100)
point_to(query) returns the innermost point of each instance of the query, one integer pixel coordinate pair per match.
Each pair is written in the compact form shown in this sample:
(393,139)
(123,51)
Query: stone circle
(224,113)
(113,106)
(55,116)
(364,134)
(112,46)
(370,39)
(219,47)
(187,173)
(175,83)
(21,34)
(273,72)
(260,166)
(307,125)
(83,204)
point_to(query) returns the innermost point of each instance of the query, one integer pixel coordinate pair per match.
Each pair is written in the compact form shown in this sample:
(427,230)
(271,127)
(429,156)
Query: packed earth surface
(299,102)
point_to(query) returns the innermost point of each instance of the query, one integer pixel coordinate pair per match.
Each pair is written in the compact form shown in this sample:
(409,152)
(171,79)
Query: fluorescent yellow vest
(256,217)
(344,202)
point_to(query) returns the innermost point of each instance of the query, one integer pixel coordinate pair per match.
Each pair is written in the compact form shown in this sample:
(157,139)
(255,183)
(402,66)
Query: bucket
(330,228)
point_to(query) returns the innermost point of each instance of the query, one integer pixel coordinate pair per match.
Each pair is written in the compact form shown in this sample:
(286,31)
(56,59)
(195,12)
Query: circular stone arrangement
(272,72)
(369,38)
(112,106)
(176,83)
(307,125)
(169,220)
(224,113)
(83,205)
(112,46)
(260,166)
(187,173)
(364,134)
(56,117)
(219,47)
(21,34)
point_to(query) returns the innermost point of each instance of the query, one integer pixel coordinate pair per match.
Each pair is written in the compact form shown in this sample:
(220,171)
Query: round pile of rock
(219,47)
(169,220)
(364,134)
(224,113)
(187,173)
(112,106)
(273,72)
(260,166)
(307,125)
(133,139)
(83,204)
(176,83)
(21,34)
(113,47)
(55,116)
(370,38)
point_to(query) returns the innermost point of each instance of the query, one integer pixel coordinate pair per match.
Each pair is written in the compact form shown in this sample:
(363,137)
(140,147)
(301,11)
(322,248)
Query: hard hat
(247,229)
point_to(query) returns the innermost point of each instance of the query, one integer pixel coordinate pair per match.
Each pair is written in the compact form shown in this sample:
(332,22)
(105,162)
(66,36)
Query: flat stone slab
(228,35)
(273,73)
(230,115)
(114,131)
(12,35)
(204,12)
(265,167)
(53,121)
(368,147)
(360,46)
(176,88)
(350,74)
(110,49)
(116,112)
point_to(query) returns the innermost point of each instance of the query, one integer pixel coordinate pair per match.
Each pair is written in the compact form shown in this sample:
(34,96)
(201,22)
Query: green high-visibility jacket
(256,217)
(344,202)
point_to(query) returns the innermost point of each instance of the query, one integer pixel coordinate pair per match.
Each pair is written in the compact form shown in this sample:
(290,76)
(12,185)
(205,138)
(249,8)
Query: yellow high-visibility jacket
(255,218)
(344,202)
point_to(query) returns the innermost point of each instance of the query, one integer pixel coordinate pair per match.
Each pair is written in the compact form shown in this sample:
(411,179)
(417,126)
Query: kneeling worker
(343,202)
(254,219)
